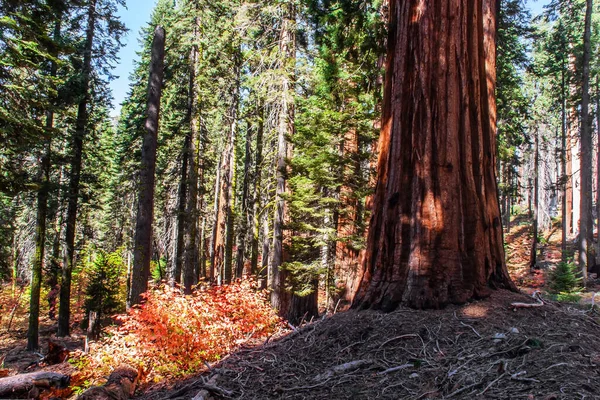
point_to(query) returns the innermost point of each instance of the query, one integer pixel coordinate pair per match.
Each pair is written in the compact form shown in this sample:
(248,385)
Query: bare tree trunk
(142,251)
(64,312)
(436,232)
(586,222)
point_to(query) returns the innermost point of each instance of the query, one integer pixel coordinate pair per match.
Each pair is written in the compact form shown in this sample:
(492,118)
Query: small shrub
(565,279)
(104,284)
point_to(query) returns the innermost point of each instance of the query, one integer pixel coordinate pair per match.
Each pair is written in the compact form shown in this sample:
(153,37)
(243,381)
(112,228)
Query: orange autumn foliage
(172,335)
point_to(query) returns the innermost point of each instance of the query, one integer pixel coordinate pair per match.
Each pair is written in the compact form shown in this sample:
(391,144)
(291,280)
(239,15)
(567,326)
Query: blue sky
(137,14)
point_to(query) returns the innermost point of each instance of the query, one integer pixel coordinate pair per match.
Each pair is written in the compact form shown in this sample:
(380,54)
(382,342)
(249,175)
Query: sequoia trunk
(435,235)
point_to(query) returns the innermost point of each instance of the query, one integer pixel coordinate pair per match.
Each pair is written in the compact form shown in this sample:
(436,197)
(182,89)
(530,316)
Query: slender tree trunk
(536,170)
(201,268)
(217,231)
(42,212)
(287,49)
(598,171)
(191,214)
(223,244)
(436,232)
(40,239)
(565,176)
(181,215)
(64,312)
(142,250)
(586,222)
(569,183)
(257,193)
(242,236)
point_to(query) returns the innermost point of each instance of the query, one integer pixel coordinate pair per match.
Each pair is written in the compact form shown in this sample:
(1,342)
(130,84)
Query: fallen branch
(409,335)
(526,305)
(24,383)
(343,368)
(394,369)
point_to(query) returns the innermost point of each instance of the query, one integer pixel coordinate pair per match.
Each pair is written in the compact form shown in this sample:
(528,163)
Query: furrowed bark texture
(142,251)
(435,235)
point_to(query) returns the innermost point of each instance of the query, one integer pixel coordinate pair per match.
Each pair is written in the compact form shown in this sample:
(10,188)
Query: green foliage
(158,269)
(103,273)
(565,279)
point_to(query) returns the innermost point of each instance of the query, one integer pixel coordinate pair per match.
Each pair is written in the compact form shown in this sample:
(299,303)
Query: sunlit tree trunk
(436,233)
(64,312)
(142,251)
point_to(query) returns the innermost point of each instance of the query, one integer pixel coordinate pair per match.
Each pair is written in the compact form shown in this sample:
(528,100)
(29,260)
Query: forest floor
(485,349)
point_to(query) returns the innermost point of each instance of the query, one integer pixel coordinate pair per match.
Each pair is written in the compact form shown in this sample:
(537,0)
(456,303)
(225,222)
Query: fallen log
(120,386)
(31,383)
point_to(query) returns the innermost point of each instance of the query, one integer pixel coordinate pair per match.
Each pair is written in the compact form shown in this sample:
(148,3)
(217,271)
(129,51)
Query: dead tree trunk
(142,251)
(436,233)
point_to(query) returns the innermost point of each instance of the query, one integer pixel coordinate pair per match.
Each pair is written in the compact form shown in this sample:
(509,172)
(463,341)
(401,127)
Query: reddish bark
(435,235)
(347,254)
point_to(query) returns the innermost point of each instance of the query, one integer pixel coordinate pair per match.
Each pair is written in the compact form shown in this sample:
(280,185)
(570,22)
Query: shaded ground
(481,350)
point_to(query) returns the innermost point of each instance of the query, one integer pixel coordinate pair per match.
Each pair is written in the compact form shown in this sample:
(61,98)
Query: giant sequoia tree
(435,235)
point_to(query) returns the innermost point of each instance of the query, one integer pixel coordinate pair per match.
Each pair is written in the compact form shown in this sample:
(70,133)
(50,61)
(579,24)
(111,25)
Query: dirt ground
(482,350)
(485,349)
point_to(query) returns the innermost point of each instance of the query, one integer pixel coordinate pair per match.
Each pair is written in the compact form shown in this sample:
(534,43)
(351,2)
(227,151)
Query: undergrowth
(171,335)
